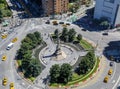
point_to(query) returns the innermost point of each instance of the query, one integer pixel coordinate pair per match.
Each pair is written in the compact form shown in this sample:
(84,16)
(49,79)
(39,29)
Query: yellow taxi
(110,71)
(4,81)
(64,25)
(4,57)
(4,36)
(106,79)
(14,40)
(54,21)
(11,85)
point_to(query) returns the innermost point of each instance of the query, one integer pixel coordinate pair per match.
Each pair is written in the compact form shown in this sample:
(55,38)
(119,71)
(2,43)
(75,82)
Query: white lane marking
(18,86)
(28,86)
(113,81)
(116,83)
(2,52)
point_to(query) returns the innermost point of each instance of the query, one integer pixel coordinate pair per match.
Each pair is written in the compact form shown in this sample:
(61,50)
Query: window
(111,1)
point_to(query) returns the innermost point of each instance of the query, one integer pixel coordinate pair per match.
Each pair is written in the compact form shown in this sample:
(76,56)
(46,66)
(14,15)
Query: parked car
(48,22)
(111,63)
(61,22)
(105,34)
(68,24)
(64,25)
(55,22)
(83,29)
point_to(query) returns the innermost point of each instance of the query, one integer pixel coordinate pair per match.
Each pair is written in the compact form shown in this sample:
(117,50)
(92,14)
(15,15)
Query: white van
(10,45)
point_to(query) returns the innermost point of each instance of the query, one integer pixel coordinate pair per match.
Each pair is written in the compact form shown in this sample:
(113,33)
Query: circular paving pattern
(69,55)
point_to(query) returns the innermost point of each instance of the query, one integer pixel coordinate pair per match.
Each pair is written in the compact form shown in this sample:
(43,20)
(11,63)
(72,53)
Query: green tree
(54,73)
(65,73)
(79,37)
(27,55)
(1,17)
(34,68)
(31,67)
(104,22)
(71,34)
(26,46)
(87,63)
(38,36)
(64,35)
(2,1)
(25,64)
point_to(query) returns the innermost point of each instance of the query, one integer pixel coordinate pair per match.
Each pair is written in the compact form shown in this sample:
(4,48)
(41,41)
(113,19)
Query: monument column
(58,48)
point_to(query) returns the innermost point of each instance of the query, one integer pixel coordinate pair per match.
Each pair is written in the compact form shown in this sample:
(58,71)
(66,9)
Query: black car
(105,34)
(48,22)
(67,23)
(111,63)
(61,22)
(83,29)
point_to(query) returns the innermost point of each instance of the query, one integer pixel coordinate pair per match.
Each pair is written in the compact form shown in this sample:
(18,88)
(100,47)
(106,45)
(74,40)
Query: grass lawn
(86,45)
(75,76)
(32,79)
(19,62)
(86,76)
(79,78)
(37,51)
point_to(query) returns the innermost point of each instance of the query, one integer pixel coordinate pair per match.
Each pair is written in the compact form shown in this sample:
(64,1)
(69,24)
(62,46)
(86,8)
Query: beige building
(55,6)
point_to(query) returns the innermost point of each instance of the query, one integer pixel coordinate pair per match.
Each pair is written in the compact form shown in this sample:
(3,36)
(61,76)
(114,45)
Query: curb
(89,41)
(21,74)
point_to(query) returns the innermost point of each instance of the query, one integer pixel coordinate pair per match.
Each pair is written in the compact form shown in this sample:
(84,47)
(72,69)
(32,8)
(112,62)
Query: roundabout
(69,55)
(65,54)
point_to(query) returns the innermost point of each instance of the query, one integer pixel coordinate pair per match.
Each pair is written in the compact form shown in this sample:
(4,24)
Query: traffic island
(80,80)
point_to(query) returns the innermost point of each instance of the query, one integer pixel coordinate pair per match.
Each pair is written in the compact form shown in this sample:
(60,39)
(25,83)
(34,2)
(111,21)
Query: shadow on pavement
(118,87)
(87,22)
(31,9)
(113,49)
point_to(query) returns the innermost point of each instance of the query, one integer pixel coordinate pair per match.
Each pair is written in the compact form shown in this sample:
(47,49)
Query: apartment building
(55,6)
(109,9)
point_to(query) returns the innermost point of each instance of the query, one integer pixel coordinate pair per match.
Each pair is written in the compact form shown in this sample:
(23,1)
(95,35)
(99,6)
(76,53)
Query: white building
(109,9)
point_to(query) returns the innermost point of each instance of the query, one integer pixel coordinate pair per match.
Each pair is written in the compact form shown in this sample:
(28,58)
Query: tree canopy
(30,66)
(61,74)
(68,35)
(87,63)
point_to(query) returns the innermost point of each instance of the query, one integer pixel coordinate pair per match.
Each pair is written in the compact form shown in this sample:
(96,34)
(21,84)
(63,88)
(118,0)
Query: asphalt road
(7,67)
(96,37)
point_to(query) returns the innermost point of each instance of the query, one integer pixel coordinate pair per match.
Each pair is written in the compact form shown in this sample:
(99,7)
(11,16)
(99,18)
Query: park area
(4,9)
